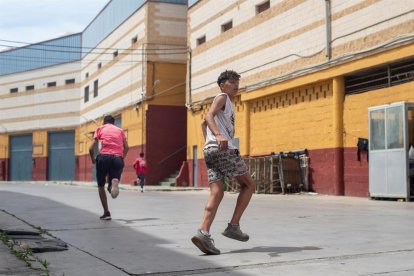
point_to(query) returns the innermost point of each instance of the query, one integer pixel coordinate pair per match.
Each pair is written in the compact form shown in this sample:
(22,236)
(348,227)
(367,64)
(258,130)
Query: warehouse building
(130,61)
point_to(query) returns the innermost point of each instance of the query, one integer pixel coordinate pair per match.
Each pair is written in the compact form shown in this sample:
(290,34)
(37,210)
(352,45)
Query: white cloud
(39,20)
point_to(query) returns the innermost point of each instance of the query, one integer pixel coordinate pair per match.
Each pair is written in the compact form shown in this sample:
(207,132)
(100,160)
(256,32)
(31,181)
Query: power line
(84,47)
(52,59)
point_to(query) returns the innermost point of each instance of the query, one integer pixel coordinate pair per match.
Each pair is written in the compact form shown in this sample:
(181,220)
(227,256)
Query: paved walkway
(150,233)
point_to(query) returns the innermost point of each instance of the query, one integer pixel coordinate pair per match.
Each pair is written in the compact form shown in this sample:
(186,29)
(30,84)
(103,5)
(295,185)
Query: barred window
(380,77)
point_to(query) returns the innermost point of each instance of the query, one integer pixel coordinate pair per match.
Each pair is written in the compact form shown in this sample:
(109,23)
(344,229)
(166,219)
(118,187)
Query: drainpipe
(142,67)
(190,101)
(328,24)
(338,130)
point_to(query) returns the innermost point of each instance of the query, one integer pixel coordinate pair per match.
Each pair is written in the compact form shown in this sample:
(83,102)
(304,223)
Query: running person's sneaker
(115,188)
(106,216)
(234,232)
(205,243)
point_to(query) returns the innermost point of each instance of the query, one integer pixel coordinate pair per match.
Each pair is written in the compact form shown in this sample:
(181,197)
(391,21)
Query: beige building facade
(135,70)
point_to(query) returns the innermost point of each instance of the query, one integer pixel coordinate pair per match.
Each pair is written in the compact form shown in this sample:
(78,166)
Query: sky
(38,20)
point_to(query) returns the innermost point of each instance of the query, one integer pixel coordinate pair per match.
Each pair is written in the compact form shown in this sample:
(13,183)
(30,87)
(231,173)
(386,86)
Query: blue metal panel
(34,56)
(73,47)
(61,156)
(115,12)
(21,157)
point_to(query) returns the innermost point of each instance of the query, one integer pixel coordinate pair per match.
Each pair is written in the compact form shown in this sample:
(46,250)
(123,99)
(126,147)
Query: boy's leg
(141,181)
(247,188)
(115,172)
(202,238)
(213,202)
(233,230)
(101,172)
(103,198)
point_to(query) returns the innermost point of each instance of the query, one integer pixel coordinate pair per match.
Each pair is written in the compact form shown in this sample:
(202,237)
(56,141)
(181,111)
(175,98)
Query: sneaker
(205,243)
(106,216)
(115,188)
(109,188)
(234,232)
(142,190)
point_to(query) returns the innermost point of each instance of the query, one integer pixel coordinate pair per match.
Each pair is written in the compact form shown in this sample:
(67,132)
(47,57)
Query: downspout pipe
(190,100)
(328,25)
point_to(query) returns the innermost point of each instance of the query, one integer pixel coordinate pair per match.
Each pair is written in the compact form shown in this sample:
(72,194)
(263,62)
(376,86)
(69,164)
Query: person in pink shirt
(141,168)
(110,160)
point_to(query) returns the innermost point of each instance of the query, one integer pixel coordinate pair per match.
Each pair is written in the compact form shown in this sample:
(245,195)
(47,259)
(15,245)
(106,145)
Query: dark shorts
(108,165)
(223,163)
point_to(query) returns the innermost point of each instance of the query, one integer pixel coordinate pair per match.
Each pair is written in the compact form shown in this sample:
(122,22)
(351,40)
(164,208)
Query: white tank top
(225,124)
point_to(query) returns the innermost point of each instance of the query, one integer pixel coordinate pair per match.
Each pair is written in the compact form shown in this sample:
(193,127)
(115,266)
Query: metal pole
(328,28)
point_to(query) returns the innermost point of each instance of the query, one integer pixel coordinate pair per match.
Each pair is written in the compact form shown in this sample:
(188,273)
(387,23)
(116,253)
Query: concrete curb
(149,188)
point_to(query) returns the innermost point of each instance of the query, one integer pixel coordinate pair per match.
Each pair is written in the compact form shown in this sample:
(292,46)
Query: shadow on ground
(273,250)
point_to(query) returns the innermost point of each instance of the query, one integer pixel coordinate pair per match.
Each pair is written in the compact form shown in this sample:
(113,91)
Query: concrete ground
(150,233)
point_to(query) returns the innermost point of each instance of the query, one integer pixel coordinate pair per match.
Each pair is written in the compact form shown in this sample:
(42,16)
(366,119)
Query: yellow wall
(171,89)
(356,109)
(84,137)
(40,143)
(295,119)
(301,118)
(4,146)
(132,123)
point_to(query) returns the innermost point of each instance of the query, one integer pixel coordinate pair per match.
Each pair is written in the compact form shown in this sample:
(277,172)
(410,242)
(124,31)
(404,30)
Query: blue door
(21,157)
(61,156)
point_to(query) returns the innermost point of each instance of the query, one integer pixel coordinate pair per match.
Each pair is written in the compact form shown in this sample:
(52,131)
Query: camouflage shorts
(223,163)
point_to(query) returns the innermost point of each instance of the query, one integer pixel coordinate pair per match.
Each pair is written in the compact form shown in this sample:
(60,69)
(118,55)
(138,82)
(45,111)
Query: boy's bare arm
(126,148)
(92,149)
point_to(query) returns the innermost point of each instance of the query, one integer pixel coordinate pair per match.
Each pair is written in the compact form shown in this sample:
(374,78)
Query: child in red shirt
(140,166)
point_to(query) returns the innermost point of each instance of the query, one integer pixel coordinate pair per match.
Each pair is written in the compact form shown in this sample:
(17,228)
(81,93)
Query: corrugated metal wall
(51,52)
(21,157)
(116,12)
(73,47)
(61,156)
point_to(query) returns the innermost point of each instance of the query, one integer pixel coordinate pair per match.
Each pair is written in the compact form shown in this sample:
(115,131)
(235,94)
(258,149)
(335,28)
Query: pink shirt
(112,139)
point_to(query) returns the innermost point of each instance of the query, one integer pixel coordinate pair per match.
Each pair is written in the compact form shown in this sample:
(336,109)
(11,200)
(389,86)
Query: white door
(388,154)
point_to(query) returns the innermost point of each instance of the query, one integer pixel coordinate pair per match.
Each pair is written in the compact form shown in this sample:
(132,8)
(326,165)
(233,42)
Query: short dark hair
(141,154)
(227,75)
(108,119)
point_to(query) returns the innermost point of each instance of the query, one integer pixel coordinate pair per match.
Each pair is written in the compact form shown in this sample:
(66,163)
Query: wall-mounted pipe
(328,25)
